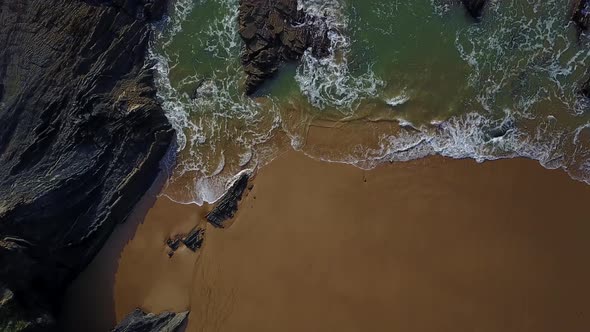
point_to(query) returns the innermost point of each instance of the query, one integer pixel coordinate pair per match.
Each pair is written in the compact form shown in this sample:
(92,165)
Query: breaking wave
(328,81)
(524,68)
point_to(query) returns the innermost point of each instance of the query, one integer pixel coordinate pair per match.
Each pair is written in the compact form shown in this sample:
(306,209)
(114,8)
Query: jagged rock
(173,243)
(274,32)
(474,7)
(228,204)
(81,136)
(581,14)
(194,239)
(15,318)
(139,321)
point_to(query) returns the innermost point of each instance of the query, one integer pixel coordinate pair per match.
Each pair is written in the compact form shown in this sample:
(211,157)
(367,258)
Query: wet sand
(133,270)
(429,245)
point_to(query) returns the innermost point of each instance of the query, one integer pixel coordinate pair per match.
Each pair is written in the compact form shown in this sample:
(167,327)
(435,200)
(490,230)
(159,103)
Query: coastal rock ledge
(139,321)
(82,138)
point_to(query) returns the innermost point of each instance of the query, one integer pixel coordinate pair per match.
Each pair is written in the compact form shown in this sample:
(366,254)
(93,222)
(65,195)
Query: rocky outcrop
(15,317)
(474,7)
(274,31)
(228,204)
(581,14)
(139,321)
(81,140)
(193,240)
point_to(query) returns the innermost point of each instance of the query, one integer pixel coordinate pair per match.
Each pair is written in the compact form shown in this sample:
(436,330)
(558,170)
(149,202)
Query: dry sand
(430,245)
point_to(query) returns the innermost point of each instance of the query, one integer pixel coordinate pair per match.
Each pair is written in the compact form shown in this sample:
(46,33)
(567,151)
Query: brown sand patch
(428,245)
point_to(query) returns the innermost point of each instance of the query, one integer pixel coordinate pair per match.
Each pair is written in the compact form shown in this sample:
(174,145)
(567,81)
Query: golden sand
(428,245)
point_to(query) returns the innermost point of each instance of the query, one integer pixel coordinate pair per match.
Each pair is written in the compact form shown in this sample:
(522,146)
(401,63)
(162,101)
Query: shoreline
(294,182)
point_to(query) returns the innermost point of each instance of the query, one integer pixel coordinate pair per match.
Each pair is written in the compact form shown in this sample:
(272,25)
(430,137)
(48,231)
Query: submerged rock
(228,204)
(581,15)
(81,137)
(139,321)
(474,7)
(274,31)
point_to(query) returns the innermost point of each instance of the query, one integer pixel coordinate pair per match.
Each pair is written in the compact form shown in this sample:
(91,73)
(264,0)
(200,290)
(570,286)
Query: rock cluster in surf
(81,140)
(275,31)
(228,204)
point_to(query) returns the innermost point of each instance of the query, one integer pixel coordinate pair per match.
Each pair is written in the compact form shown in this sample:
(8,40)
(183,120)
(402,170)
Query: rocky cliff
(81,140)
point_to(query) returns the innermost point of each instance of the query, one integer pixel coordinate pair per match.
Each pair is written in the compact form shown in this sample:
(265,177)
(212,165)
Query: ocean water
(507,86)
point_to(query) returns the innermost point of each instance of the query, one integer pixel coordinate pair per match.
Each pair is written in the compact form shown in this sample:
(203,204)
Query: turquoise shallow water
(503,87)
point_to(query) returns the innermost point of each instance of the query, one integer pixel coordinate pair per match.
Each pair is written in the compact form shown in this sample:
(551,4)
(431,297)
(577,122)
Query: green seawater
(506,86)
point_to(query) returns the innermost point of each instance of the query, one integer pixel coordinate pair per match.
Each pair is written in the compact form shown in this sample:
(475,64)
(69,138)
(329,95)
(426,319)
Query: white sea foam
(221,37)
(397,100)
(468,136)
(219,130)
(222,133)
(406,123)
(328,81)
(527,57)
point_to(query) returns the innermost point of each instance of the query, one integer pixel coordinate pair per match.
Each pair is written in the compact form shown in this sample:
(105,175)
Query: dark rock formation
(228,204)
(474,7)
(81,140)
(194,239)
(139,321)
(15,317)
(173,244)
(581,15)
(274,31)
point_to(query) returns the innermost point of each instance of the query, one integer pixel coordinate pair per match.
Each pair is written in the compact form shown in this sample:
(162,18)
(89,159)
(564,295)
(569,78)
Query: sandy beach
(429,245)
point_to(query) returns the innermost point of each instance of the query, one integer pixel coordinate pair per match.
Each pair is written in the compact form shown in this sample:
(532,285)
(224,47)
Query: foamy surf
(328,81)
(518,99)
(397,100)
(220,132)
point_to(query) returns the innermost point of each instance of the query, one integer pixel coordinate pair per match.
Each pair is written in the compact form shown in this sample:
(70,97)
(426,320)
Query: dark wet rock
(173,243)
(228,204)
(194,239)
(506,127)
(139,321)
(581,15)
(81,138)
(274,31)
(15,317)
(585,90)
(474,7)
